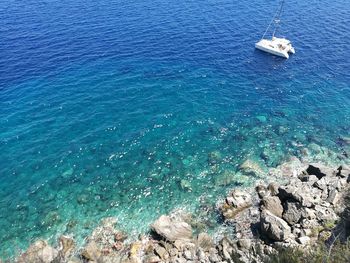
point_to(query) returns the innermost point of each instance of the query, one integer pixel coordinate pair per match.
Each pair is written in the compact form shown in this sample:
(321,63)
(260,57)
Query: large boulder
(274,227)
(273,204)
(39,251)
(292,212)
(172,229)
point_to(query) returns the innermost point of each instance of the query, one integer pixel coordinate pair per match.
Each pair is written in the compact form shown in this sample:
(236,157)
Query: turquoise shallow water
(134,109)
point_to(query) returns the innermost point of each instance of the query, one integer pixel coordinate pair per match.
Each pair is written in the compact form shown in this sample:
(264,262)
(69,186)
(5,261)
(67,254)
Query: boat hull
(282,54)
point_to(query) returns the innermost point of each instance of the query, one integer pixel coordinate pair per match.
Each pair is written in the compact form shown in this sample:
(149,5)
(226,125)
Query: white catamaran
(276,46)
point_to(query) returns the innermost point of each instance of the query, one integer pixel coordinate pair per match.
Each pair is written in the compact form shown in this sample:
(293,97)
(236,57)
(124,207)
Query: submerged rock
(253,168)
(172,229)
(186,185)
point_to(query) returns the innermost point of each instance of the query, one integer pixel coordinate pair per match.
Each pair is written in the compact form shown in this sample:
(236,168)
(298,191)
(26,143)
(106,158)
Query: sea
(134,109)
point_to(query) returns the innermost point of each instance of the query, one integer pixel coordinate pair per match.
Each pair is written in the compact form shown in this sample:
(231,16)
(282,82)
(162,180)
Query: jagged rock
(39,251)
(273,188)
(319,170)
(262,191)
(161,252)
(252,168)
(172,229)
(204,241)
(292,212)
(213,255)
(302,193)
(325,213)
(236,202)
(244,244)
(188,255)
(321,184)
(333,196)
(274,227)
(91,252)
(67,246)
(273,204)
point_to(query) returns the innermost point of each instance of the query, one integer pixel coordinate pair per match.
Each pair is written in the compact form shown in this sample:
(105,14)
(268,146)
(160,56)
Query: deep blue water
(105,106)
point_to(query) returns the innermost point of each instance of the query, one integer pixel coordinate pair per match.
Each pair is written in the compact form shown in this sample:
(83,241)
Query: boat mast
(275,19)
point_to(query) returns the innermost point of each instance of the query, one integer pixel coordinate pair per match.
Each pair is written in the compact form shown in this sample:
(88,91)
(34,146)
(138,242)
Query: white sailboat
(276,46)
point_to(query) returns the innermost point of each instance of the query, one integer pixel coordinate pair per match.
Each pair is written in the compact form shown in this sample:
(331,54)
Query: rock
(185,185)
(214,158)
(261,118)
(188,255)
(292,212)
(333,197)
(152,259)
(321,184)
(302,193)
(204,241)
(39,251)
(273,204)
(319,170)
(262,191)
(303,240)
(245,244)
(82,199)
(325,213)
(213,255)
(273,188)
(251,167)
(236,202)
(91,252)
(274,227)
(343,171)
(291,168)
(51,219)
(67,246)
(68,173)
(161,252)
(172,229)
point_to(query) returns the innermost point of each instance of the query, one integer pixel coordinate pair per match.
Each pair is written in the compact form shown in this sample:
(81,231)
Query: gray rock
(292,212)
(188,255)
(235,203)
(274,227)
(273,204)
(325,213)
(262,191)
(161,252)
(91,252)
(172,229)
(204,241)
(273,188)
(333,197)
(67,246)
(39,251)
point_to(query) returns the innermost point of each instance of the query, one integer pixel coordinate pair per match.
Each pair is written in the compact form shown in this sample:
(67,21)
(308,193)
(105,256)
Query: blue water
(105,106)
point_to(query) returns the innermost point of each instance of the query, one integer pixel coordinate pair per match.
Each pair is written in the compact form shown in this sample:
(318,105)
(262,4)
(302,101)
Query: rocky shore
(302,206)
